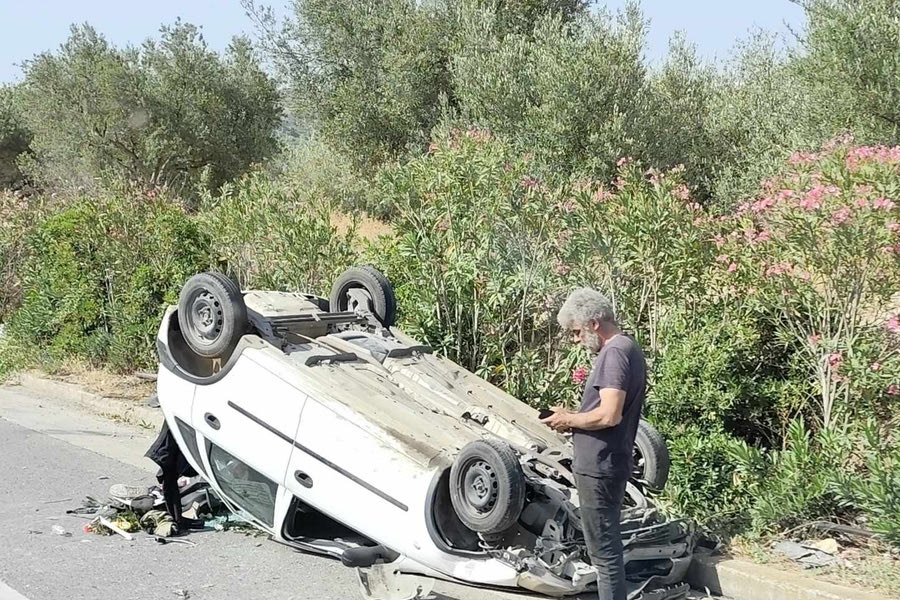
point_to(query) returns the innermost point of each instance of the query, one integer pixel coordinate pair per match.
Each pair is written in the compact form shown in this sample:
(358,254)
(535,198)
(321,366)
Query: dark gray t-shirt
(619,365)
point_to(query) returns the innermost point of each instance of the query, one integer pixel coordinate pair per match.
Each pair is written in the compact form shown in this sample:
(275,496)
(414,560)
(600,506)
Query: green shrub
(98,276)
(703,481)
(723,376)
(793,485)
(272,235)
(877,494)
(475,257)
(815,255)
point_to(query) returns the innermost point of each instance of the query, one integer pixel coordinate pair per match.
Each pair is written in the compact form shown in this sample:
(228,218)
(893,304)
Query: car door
(249,419)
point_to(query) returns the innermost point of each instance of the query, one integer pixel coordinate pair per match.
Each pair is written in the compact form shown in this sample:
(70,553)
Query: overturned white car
(336,433)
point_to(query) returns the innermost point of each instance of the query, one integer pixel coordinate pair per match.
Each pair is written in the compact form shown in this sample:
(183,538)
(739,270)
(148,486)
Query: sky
(28,27)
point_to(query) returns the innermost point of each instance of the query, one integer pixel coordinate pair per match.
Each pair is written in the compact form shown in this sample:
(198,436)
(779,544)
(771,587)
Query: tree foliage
(170,113)
(14,135)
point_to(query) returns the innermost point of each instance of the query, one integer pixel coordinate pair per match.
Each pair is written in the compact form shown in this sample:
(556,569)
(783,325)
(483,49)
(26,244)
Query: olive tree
(170,113)
(14,136)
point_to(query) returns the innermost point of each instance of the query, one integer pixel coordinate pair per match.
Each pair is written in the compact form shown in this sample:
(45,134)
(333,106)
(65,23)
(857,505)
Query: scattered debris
(111,526)
(806,555)
(56,501)
(163,540)
(829,545)
(103,477)
(183,594)
(60,530)
(159,523)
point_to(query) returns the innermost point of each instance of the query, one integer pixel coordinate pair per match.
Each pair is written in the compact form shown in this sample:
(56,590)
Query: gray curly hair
(583,306)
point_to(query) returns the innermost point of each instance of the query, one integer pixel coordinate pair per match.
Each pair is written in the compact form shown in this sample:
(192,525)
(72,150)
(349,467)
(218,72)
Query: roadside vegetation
(744,217)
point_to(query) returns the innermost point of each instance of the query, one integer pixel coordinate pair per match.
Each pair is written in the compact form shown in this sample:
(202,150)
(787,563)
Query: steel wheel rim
(480,486)
(205,318)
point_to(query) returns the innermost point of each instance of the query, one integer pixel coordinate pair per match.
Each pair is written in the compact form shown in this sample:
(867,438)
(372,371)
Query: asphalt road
(57,447)
(53,454)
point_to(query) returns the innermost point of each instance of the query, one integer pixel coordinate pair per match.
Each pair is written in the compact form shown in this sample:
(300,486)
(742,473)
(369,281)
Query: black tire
(651,457)
(487,486)
(380,292)
(212,315)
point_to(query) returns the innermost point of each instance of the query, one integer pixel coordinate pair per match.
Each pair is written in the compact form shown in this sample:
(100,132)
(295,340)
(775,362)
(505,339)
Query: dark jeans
(601,503)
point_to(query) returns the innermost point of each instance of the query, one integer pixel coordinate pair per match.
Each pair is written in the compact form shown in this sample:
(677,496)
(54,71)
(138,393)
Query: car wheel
(211,314)
(651,457)
(487,486)
(365,288)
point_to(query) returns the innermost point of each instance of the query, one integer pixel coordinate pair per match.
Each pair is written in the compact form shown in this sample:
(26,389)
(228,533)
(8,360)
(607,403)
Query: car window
(243,485)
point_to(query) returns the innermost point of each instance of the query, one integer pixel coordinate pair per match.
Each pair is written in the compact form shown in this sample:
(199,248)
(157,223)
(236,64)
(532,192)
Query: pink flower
(876,366)
(840,216)
(862,203)
(619,183)
(785,194)
(809,203)
(681,192)
(802,158)
(893,389)
(837,378)
(529,182)
(602,195)
(835,359)
(722,258)
(764,236)
(732,268)
(893,324)
(562,269)
(883,203)
(623,161)
(762,205)
(579,375)
(779,269)
(814,339)
(893,227)
(720,241)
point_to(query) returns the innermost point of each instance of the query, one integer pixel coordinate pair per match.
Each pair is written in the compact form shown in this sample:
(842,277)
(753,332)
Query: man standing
(603,430)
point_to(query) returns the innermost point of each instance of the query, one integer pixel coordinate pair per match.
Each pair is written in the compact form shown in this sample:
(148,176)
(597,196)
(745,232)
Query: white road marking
(7,593)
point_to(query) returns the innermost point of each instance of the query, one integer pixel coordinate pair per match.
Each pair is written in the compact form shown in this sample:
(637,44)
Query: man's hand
(560,420)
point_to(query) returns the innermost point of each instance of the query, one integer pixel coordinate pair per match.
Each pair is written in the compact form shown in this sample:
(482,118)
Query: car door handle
(212,420)
(303,479)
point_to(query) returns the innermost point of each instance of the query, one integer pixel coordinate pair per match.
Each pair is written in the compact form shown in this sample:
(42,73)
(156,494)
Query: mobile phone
(545,412)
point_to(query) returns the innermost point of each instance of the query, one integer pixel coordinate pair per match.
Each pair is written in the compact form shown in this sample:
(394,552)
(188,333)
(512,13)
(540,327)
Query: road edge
(743,580)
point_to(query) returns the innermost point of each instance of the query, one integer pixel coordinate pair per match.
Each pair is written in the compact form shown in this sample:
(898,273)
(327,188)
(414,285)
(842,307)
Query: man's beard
(591,340)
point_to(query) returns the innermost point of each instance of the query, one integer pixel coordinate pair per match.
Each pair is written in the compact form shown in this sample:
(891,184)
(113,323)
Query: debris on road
(60,530)
(112,527)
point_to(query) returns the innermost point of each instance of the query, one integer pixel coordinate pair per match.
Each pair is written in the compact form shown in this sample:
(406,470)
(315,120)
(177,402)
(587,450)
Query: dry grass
(104,383)
(367,227)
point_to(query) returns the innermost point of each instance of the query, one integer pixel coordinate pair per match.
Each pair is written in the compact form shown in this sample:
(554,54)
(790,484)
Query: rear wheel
(211,314)
(487,486)
(365,288)
(651,457)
